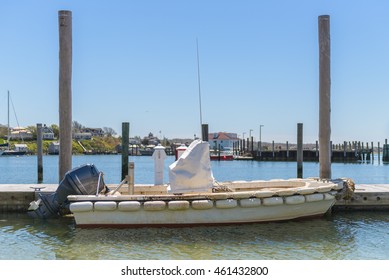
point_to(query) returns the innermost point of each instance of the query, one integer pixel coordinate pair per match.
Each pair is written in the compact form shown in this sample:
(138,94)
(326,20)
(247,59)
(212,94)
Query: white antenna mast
(198,77)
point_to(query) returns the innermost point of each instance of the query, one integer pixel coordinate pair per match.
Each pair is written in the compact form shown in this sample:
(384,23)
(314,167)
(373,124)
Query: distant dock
(310,155)
(16,198)
(346,152)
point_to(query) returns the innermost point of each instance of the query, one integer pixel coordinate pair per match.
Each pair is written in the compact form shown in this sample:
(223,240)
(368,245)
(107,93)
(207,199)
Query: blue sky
(135,61)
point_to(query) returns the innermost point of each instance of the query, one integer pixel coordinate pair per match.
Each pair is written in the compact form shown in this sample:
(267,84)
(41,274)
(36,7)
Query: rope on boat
(220,188)
(348,190)
(105,189)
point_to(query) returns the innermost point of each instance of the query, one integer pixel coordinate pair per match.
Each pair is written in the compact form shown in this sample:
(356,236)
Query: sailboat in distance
(18,150)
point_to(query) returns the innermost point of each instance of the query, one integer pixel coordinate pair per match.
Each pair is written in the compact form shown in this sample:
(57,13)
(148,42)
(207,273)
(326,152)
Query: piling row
(355,151)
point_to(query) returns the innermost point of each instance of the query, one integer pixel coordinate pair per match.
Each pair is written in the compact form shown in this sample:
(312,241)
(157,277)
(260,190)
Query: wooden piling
(362,151)
(65,92)
(324,97)
(39,147)
(385,152)
(125,143)
(299,150)
(345,150)
(287,150)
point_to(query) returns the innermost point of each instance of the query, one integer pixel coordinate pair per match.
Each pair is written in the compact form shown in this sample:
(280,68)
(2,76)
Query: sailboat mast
(198,78)
(8,129)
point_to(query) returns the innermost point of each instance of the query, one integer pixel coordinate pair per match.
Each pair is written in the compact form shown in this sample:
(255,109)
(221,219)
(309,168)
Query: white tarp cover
(191,172)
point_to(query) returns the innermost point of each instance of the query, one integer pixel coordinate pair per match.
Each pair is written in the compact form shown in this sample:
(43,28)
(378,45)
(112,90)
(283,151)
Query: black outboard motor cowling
(82,180)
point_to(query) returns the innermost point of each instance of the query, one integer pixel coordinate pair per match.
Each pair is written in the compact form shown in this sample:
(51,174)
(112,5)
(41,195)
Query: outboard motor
(82,180)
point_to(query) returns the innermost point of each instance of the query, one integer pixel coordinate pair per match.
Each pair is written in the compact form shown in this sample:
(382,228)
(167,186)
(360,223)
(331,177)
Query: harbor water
(339,236)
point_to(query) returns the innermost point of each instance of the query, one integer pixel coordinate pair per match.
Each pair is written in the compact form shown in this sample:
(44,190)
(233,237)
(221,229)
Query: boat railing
(129,179)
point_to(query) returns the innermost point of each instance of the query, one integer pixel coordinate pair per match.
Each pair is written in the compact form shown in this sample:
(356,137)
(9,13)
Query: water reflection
(340,236)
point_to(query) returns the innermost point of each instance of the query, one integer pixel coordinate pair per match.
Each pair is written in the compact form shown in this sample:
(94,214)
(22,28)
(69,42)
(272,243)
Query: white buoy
(159,156)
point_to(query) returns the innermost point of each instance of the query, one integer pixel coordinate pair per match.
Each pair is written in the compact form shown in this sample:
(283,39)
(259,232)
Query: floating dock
(366,197)
(16,198)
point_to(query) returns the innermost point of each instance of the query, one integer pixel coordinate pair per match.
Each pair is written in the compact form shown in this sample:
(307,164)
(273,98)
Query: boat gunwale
(195,196)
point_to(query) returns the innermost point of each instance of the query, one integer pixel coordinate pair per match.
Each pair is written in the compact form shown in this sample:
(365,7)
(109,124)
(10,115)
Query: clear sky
(136,62)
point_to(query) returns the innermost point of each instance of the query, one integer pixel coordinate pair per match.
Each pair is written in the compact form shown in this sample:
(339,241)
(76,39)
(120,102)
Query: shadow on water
(340,236)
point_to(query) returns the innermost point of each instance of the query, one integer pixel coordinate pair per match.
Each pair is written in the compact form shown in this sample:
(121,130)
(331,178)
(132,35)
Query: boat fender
(328,196)
(334,193)
(154,205)
(178,205)
(273,201)
(295,199)
(226,203)
(127,206)
(314,197)
(250,202)
(105,205)
(202,204)
(83,206)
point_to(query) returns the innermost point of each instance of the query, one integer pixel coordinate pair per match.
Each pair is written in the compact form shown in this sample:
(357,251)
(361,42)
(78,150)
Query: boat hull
(222,157)
(12,153)
(122,212)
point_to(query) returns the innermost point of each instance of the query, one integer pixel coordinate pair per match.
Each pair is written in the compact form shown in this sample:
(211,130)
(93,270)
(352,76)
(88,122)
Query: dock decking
(16,198)
(367,197)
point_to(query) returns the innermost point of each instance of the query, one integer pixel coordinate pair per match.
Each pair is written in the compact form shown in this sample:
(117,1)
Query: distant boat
(243,157)
(19,150)
(146,151)
(222,155)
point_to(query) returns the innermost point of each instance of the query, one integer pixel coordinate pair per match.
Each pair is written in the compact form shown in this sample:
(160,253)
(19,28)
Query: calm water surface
(352,235)
(342,236)
(23,170)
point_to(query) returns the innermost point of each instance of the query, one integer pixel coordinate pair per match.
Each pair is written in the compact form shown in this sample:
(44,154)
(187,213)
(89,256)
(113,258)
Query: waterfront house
(226,140)
(21,148)
(82,136)
(20,133)
(47,133)
(53,148)
(95,132)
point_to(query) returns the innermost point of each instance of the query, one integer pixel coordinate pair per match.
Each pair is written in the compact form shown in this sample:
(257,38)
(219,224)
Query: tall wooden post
(125,143)
(324,97)
(385,152)
(299,150)
(287,150)
(344,150)
(39,152)
(65,92)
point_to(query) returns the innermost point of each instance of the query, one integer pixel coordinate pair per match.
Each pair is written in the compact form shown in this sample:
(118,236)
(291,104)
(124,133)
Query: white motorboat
(193,197)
